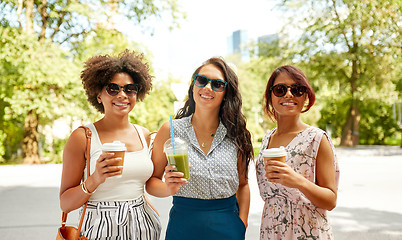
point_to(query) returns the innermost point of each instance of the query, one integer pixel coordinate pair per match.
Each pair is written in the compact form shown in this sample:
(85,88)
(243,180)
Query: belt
(122,211)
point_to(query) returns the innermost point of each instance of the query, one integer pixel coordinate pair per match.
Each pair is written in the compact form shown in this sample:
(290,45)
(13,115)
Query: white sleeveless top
(138,168)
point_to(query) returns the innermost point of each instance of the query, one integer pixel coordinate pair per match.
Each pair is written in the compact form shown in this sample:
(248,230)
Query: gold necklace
(203,144)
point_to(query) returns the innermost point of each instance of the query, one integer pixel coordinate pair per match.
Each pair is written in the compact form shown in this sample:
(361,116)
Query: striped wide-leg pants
(128,220)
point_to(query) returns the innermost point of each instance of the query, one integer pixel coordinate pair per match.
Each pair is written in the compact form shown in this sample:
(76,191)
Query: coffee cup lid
(274,152)
(114,146)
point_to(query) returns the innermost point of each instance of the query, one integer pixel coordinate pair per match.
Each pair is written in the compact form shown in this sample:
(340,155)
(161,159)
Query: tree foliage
(41,79)
(67,21)
(38,81)
(352,49)
(156,108)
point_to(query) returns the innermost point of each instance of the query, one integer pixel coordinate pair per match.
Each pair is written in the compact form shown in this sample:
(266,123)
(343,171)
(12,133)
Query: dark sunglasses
(281,89)
(216,84)
(129,89)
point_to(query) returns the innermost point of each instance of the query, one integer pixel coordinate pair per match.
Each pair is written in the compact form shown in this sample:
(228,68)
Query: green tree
(353,48)
(156,108)
(65,23)
(35,79)
(253,78)
(398,84)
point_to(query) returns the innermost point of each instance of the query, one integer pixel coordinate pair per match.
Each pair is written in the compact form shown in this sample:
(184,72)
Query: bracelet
(85,190)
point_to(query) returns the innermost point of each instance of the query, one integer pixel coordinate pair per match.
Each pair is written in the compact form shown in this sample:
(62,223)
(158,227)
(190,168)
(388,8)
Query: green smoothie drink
(181,162)
(178,156)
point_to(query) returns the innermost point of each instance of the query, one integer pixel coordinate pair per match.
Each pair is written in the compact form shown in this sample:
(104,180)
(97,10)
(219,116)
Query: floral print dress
(287,213)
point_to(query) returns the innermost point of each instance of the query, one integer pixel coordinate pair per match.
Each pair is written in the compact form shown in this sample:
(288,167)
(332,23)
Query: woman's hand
(105,168)
(279,172)
(174,179)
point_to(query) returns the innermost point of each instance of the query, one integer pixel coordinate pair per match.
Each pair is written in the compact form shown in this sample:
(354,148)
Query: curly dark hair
(99,71)
(298,76)
(230,111)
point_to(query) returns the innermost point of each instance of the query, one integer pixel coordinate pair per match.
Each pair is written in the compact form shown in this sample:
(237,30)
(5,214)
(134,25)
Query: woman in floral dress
(298,193)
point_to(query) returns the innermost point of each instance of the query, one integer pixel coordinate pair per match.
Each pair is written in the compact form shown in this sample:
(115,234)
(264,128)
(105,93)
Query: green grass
(256,150)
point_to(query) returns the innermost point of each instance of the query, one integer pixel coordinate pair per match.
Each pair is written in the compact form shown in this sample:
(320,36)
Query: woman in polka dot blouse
(214,202)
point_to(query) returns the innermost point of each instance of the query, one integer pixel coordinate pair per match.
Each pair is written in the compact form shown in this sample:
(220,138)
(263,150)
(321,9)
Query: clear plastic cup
(178,157)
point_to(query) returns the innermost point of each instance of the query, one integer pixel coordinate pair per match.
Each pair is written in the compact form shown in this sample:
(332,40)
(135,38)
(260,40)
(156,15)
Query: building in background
(238,44)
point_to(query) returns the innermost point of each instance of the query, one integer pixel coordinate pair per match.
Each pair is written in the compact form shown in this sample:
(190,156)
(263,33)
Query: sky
(204,33)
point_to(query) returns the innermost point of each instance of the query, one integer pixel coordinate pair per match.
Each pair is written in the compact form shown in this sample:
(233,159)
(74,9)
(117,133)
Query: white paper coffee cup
(278,154)
(118,148)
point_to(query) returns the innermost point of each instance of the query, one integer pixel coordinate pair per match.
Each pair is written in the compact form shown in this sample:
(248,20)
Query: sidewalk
(370,193)
(369,198)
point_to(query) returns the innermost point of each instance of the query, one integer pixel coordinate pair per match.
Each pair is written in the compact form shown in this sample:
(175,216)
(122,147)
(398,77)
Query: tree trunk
(19,12)
(31,136)
(401,138)
(350,133)
(29,16)
(44,16)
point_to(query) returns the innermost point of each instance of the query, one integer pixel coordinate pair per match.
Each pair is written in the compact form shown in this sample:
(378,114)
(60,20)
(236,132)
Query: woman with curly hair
(214,202)
(117,208)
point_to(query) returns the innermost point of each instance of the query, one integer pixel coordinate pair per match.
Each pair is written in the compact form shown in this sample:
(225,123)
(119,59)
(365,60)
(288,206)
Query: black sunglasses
(281,89)
(129,89)
(216,84)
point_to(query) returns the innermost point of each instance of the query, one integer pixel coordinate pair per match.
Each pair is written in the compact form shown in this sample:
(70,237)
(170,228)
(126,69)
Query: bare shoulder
(73,159)
(77,139)
(325,145)
(165,127)
(163,134)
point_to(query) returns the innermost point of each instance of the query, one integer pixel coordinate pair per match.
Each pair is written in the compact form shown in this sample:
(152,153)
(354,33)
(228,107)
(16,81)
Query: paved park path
(369,198)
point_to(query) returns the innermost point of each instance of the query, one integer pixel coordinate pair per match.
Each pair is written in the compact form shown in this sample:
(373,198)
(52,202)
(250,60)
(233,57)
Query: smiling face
(205,97)
(289,104)
(120,104)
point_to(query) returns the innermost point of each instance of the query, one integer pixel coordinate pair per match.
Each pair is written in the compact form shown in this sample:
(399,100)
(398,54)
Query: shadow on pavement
(350,223)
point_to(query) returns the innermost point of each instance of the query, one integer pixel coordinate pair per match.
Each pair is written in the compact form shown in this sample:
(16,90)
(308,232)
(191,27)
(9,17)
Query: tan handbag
(69,232)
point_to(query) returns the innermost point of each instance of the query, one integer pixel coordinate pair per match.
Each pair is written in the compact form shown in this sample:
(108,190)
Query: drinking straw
(171,133)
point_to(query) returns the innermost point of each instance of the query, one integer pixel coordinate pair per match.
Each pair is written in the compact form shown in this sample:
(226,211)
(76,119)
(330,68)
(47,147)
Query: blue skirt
(197,219)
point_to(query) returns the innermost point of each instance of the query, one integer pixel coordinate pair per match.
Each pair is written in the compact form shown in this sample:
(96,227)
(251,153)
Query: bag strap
(88,134)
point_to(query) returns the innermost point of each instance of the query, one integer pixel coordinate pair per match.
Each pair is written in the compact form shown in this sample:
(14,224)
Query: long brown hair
(230,111)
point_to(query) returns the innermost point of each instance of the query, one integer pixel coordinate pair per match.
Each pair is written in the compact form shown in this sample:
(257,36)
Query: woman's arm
(243,193)
(323,193)
(173,180)
(72,195)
